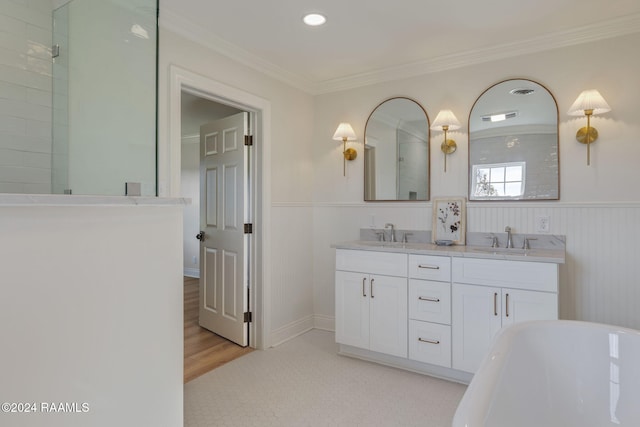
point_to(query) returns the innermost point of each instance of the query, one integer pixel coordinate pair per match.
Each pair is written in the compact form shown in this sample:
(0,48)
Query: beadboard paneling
(598,282)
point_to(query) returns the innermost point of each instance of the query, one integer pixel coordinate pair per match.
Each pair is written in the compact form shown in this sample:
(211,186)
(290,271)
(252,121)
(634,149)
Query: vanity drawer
(536,276)
(430,343)
(430,301)
(430,267)
(372,262)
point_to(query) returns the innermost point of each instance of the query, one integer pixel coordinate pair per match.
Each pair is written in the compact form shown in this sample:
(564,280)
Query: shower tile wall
(25,96)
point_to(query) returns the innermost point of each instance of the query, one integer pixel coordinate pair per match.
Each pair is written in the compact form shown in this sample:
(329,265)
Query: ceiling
(366,41)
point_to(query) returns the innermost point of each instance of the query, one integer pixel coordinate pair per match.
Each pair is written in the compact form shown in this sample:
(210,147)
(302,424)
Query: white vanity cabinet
(430,309)
(371,301)
(489,294)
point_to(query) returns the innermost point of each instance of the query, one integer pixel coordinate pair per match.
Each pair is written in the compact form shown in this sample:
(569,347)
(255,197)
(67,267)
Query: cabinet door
(476,318)
(352,309)
(520,306)
(388,315)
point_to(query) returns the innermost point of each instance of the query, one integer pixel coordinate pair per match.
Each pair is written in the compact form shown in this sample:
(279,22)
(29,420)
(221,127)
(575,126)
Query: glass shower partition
(104,96)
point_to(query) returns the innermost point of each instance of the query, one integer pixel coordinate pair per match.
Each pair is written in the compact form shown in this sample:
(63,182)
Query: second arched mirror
(396,156)
(513,143)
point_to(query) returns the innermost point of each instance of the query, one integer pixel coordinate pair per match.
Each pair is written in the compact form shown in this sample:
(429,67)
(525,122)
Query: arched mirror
(513,143)
(396,152)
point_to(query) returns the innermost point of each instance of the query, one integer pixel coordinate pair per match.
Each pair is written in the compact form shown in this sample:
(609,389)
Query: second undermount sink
(506,251)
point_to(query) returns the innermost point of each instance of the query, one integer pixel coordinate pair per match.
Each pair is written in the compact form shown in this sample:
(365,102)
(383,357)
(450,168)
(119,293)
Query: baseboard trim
(325,323)
(292,330)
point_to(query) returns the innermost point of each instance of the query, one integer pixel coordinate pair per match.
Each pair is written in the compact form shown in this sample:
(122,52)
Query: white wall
(599,206)
(91,308)
(190,188)
(25,97)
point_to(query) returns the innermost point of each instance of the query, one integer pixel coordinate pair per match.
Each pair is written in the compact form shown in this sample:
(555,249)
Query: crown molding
(585,34)
(176,23)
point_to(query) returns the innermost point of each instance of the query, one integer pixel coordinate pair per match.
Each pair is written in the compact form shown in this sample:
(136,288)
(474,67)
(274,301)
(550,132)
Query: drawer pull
(372,288)
(428,341)
(364,293)
(430,267)
(429,299)
(495,304)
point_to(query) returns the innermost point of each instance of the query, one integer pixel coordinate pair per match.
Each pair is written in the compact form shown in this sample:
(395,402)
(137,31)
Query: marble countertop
(556,256)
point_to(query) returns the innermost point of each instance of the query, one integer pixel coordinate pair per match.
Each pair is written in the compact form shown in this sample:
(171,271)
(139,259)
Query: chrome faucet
(392,237)
(494,241)
(509,239)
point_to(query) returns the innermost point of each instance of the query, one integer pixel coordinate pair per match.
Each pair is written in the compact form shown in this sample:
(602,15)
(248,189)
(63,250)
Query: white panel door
(476,317)
(224,263)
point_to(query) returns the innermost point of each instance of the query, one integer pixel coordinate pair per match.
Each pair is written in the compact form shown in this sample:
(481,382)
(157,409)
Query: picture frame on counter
(449,220)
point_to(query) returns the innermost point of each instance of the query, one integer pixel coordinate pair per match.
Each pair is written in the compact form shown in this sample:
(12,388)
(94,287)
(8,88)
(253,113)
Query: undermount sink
(513,251)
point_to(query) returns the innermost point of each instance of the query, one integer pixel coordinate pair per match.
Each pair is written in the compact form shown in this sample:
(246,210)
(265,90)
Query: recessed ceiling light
(498,117)
(314,19)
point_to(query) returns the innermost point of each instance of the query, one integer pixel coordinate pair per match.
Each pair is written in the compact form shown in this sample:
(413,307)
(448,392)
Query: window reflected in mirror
(513,143)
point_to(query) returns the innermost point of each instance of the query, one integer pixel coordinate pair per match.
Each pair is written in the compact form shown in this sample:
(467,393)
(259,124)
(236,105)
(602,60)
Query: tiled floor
(304,382)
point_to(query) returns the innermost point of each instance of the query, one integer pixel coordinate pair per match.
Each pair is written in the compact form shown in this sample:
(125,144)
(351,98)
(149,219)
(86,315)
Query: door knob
(200,236)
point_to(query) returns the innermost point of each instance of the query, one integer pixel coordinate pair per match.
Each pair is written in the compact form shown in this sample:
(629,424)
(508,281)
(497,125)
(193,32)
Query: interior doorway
(203,350)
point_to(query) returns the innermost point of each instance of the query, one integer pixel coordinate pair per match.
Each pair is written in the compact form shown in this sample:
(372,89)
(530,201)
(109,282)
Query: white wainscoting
(291,298)
(598,282)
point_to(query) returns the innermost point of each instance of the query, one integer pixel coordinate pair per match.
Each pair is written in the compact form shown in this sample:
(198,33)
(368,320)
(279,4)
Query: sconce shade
(589,100)
(445,118)
(344,133)
(589,103)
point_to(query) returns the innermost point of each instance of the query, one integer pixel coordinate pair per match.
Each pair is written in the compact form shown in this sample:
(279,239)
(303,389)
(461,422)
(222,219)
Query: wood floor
(203,350)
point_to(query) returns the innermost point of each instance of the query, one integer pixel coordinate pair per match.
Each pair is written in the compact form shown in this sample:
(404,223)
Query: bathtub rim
(473,407)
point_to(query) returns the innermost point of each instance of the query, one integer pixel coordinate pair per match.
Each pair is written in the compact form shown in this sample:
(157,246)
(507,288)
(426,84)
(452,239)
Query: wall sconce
(345,133)
(446,121)
(589,103)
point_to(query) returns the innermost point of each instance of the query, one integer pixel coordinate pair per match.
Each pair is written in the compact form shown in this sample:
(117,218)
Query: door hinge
(248,140)
(248,228)
(248,318)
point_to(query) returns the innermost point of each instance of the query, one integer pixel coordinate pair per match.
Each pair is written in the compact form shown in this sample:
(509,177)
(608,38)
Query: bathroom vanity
(434,309)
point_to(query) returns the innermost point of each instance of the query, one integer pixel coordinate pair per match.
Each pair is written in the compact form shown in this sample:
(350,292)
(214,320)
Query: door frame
(169,166)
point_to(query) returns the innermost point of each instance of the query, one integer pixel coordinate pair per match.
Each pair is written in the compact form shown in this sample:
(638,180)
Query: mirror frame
(470,166)
(428,123)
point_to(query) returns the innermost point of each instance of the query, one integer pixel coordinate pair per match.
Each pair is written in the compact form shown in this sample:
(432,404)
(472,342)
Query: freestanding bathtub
(556,373)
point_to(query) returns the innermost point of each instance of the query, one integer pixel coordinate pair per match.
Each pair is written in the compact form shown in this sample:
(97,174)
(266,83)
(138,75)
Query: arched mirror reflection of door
(513,143)
(396,159)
